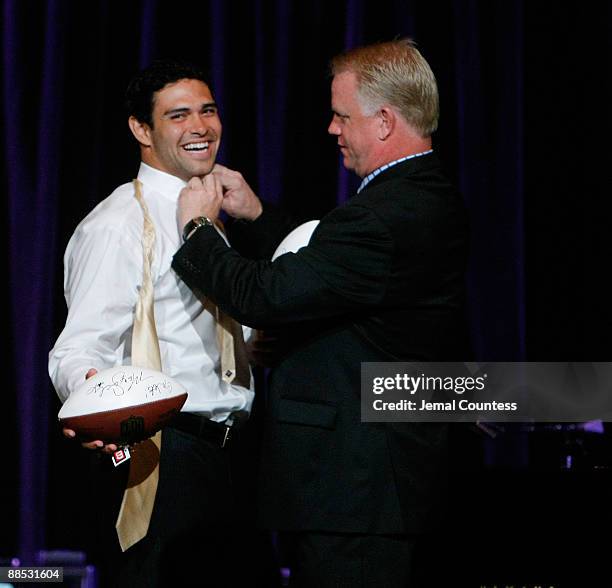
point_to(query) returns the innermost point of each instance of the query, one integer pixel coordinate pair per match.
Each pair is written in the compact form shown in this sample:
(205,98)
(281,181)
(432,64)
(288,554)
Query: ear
(140,130)
(388,120)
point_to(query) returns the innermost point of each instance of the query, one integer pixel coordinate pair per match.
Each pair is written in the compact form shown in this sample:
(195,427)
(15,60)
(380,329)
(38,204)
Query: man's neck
(395,149)
(369,177)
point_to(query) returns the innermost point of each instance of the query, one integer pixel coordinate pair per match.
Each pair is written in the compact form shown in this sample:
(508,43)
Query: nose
(334,127)
(198,125)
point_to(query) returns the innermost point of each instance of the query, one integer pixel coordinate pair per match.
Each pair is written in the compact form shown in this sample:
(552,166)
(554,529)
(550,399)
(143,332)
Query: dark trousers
(348,560)
(202,530)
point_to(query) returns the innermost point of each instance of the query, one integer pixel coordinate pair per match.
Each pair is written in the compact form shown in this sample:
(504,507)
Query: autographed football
(296,239)
(122,405)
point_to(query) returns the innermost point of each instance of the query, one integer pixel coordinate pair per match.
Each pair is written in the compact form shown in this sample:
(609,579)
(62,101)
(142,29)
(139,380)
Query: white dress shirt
(102,275)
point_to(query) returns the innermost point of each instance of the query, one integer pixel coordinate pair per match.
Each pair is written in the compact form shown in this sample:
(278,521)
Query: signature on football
(123,382)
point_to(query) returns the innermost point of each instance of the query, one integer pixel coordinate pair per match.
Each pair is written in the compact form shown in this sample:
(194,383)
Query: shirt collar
(160,181)
(386,166)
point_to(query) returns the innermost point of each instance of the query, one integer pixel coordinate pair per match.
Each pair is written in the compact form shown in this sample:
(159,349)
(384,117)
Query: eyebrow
(186,109)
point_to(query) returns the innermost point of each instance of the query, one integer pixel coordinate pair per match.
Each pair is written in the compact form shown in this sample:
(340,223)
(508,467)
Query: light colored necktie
(232,348)
(139,496)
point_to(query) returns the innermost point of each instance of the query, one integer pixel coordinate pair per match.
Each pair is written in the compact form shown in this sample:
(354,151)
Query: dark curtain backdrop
(524,96)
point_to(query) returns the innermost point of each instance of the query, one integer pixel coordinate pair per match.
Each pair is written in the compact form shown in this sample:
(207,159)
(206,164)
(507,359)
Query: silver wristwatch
(194,224)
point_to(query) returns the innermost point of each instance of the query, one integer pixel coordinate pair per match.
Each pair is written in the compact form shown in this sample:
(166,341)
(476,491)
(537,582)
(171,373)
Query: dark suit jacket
(381,280)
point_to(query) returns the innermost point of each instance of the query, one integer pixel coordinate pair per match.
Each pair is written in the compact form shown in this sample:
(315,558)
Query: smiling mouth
(196,147)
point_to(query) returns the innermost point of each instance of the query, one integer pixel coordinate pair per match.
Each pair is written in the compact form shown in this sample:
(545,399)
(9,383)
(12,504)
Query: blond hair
(394,73)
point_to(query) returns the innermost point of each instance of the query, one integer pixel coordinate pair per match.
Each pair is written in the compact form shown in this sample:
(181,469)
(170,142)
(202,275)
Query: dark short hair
(140,93)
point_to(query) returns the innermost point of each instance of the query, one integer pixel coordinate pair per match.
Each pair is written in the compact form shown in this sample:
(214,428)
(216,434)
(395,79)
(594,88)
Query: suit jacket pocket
(304,412)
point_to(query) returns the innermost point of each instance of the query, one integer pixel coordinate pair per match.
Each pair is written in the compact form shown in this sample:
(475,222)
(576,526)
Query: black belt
(219,434)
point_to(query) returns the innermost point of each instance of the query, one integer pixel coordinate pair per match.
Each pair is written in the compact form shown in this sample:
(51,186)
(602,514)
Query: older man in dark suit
(382,279)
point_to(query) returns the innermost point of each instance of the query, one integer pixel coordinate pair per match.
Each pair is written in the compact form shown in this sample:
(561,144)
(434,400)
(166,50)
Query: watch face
(193,224)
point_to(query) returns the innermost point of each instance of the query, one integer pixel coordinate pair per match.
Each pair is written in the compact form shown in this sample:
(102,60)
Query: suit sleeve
(345,267)
(259,238)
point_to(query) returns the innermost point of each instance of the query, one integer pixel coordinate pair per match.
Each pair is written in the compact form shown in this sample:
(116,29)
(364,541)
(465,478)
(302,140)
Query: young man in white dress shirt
(174,118)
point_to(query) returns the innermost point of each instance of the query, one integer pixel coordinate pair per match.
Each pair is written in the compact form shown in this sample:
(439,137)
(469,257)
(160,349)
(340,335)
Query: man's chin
(200,170)
(348,162)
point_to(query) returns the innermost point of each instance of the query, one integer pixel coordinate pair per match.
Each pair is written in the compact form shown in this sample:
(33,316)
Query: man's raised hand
(200,197)
(239,200)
